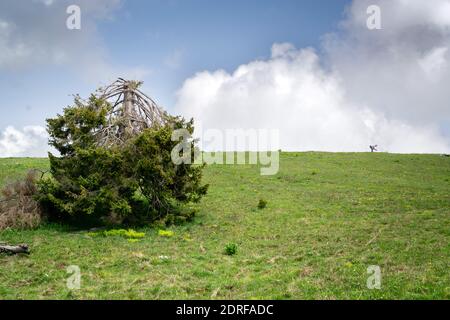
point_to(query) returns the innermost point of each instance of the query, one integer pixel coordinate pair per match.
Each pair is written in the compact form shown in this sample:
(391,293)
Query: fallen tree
(11,249)
(115,162)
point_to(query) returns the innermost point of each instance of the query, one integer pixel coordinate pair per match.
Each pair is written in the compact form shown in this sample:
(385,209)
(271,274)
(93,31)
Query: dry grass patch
(18,208)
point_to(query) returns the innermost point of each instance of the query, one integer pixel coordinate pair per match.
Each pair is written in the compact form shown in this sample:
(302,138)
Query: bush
(18,208)
(231,249)
(135,182)
(262,204)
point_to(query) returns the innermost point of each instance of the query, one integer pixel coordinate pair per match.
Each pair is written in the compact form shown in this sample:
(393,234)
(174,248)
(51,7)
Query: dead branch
(10,249)
(131,112)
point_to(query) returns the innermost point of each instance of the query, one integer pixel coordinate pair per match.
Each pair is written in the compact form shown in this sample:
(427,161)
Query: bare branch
(132,111)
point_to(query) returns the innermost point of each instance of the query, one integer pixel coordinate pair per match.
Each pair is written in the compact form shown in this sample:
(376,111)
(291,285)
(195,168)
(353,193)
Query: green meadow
(329,216)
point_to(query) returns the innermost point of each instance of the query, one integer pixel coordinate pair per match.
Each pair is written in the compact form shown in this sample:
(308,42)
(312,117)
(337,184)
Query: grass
(328,218)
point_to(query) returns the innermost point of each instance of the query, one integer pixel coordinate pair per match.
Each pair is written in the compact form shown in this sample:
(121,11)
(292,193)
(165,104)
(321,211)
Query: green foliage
(165,233)
(135,182)
(262,204)
(73,130)
(231,249)
(129,234)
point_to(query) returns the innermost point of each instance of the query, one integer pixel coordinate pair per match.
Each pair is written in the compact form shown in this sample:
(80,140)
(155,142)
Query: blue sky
(172,40)
(217,34)
(209,35)
(384,86)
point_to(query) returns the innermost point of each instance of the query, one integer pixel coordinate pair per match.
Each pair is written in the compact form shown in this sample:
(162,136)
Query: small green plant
(128,234)
(231,249)
(262,204)
(165,233)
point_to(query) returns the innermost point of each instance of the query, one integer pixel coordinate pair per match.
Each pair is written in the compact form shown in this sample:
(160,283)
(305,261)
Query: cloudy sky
(311,69)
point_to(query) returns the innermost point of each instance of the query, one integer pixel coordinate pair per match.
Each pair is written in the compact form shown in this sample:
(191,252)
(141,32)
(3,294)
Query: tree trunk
(21,248)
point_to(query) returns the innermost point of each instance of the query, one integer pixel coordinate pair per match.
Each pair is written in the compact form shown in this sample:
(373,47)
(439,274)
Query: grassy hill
(329,216)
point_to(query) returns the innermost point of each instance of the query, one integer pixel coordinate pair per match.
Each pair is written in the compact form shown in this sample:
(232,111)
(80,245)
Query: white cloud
(292,92)
(31,141)
(34,33)
(434,63)
(401,70)
(385,87)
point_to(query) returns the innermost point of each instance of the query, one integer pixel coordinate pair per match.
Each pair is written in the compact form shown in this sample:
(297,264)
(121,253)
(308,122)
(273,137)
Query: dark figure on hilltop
(373,148)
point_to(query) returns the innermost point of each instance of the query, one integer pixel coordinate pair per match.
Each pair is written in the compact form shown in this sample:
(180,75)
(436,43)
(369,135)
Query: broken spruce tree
(115,163)
(131,112)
